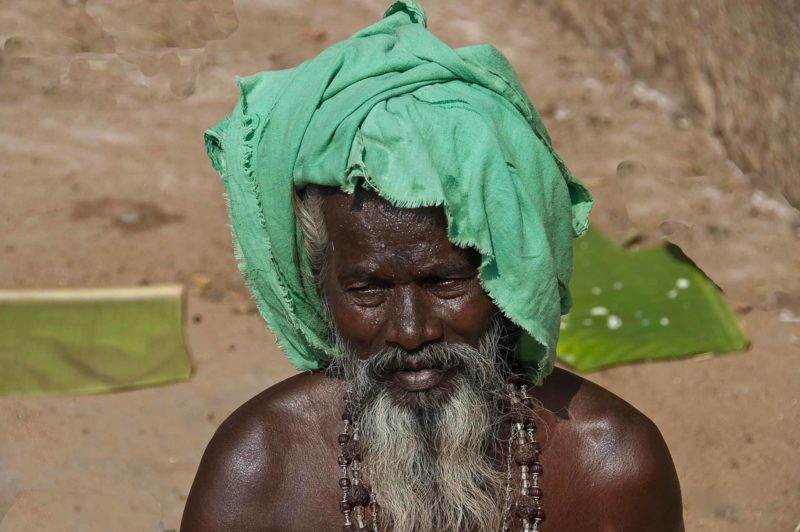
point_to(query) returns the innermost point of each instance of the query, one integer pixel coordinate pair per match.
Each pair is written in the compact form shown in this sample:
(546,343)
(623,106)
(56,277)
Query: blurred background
(681,117)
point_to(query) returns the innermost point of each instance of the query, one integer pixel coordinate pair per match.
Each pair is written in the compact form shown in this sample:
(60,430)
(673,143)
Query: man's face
(423,358)
(395,280)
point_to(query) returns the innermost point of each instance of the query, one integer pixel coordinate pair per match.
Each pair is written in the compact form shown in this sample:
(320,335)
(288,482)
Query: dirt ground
(106,182)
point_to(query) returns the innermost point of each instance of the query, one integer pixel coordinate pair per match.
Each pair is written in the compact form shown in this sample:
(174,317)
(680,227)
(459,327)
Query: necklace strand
(356,498)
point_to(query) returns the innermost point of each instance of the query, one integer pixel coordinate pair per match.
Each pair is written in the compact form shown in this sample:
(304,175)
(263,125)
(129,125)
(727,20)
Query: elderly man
(405,227)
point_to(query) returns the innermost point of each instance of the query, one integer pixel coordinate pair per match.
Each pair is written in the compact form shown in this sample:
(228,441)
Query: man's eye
(357,288)
(368,295)
(449,287)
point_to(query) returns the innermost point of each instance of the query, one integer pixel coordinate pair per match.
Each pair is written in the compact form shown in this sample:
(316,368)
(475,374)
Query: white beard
(430,465)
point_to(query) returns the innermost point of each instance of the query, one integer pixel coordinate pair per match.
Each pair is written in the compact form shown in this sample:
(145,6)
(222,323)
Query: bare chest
(307,496)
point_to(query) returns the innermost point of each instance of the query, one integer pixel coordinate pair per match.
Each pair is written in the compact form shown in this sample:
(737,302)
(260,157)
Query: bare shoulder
(617,456)
(245,472)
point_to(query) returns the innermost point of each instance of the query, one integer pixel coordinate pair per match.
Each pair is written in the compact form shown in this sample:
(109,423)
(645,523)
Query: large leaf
(641,305)
(91,340)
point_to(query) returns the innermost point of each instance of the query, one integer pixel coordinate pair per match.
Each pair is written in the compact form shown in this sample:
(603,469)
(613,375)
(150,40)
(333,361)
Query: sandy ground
(105,182)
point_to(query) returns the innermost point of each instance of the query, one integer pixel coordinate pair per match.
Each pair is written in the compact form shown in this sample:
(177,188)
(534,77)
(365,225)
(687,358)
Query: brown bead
(539,514)
(358,495)
(352,451)
(345,506)
(536,493)
(343,461)
(537,468)
(347,528)
(524,454)
(347,415)
(343,438)
(526,508)
(344,482)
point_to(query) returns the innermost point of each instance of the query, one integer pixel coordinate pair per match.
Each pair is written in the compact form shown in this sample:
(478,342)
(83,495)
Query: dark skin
(395,279)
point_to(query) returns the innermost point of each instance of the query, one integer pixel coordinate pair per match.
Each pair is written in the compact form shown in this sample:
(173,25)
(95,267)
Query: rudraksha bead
(343,438)
(345,506)
(347,415)
(526,508)
(539,514)
(536,492)
(344,482)
(343,461)
(536,468)
(358,495)
(524,454)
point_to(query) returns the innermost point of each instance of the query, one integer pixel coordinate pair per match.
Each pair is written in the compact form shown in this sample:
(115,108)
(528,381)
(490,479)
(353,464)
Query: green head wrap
(424,125)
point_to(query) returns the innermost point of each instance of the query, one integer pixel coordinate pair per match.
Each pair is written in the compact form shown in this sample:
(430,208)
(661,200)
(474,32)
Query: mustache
(443,356)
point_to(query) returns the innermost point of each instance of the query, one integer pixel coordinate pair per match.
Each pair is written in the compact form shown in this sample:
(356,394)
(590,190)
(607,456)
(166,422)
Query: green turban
(423,124)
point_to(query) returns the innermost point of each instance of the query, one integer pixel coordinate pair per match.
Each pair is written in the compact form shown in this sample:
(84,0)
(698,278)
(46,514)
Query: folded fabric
(396,109)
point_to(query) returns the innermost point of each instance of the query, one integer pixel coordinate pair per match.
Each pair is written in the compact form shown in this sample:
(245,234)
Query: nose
(413,323)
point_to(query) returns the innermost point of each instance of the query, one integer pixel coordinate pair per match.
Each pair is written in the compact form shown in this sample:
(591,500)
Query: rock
(201,281)
(785,306)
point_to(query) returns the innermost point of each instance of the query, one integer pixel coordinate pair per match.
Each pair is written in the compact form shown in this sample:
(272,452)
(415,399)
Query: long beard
(430,461)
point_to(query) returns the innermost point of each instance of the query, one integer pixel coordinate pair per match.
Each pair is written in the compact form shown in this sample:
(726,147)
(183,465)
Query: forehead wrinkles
(367,224)
(367,210)
(406,249)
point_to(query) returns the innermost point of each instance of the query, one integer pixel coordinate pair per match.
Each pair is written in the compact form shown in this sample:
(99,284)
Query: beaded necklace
(359,504)
(356,498)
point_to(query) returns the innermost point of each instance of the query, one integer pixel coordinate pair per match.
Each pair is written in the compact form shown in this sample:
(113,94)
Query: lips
(418,380)
(417,375)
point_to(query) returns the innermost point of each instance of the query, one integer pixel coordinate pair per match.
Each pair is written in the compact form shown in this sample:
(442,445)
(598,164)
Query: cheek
(467,319)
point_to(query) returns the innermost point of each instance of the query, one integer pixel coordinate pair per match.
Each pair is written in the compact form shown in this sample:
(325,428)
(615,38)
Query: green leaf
(641,305)
(78,341)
